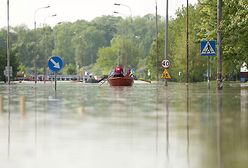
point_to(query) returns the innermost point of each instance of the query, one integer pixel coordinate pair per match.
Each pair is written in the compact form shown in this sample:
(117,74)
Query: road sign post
(165,75)
(208,48)
(55,64)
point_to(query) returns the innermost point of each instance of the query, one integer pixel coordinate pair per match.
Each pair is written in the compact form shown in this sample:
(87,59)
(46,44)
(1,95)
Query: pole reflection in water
(157,119)
(187,110)
(1,104)
(244,107)
(22,105)
(9,121)
(167,123)
(36,120)
(219,128)
(157,122)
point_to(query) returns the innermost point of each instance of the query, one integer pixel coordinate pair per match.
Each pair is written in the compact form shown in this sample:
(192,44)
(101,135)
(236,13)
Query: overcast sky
(23,11)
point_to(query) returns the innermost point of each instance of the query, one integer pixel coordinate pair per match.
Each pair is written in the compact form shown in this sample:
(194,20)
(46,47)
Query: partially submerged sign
(55,63)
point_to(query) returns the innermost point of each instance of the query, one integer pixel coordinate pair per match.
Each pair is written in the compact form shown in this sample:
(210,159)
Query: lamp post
(187,43)
(166,35)
(130,10)
(156,8)
(44,21)
(120,60)
(45,58)
(35,58)
(8,52)
(131,17)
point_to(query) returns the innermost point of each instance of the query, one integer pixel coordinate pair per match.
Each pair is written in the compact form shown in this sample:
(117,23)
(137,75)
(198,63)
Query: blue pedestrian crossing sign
(208,48)
(55,63)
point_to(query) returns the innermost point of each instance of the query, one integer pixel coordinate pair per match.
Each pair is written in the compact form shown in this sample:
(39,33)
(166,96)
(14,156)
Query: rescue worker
(118,72)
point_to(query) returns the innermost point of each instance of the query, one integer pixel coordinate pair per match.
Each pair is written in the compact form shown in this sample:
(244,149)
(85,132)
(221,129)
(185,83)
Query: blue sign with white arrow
(55,63)
(208,48)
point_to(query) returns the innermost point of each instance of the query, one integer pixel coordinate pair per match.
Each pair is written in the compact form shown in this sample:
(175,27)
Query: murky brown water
(144,126)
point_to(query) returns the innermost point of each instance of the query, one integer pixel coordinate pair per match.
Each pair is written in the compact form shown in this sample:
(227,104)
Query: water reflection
(244,107)
(167,123)
(188,139)
(9,124)
(1,104)
(22,105)
(219,129)
(181,126)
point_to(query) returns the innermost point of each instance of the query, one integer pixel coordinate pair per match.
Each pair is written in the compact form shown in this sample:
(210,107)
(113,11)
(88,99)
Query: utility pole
(187,43)
(166,35)
(156,7)
(8,52)
(219,41)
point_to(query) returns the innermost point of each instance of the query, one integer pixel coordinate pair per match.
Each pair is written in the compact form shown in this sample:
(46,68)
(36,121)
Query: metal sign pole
(208,72)
(208,48)
(8,50)
(166,36)
(55,64)
(55,78)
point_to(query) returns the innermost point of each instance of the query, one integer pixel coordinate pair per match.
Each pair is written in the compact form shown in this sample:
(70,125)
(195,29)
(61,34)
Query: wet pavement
(144,126)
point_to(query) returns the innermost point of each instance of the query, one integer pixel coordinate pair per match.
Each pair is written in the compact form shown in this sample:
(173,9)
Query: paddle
(106,78)
(148,81)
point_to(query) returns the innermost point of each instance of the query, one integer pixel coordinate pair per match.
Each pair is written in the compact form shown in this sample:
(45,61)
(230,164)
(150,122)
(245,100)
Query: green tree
(63,38)
(69,69)
(234,26)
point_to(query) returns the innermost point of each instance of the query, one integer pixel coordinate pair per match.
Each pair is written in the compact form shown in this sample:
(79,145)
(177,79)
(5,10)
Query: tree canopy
(106,41)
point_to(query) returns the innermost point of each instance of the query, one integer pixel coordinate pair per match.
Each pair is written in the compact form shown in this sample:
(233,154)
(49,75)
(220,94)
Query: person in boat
(118,72)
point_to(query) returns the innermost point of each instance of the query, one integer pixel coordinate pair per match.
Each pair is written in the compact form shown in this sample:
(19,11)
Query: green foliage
(235,24)
(107,58)
(69,69)
(202,25)
(14,62)
(106,41)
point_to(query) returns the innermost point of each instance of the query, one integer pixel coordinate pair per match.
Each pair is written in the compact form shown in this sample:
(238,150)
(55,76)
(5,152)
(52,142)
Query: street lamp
(156,8)
(130,10)
(44,21)
(8,52)
(121,60)
(35,13)
(35,59)
(45,59)
(122,14)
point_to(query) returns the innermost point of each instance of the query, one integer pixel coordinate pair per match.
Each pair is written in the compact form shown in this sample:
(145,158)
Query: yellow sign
(165,75)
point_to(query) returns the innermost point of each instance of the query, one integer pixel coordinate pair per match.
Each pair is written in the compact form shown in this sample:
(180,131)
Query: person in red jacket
(118,72)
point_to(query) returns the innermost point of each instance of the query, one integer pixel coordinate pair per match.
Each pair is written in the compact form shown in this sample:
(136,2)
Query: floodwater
(144,126)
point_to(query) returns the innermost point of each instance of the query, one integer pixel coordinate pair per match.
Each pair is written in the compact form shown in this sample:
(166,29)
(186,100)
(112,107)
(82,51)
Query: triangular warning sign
(208,49)
(165,75)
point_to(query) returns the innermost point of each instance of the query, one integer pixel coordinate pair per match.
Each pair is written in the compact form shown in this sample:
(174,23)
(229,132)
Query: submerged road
(144,126)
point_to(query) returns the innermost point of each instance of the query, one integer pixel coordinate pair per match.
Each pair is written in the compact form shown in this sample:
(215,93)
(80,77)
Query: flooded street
(144,126)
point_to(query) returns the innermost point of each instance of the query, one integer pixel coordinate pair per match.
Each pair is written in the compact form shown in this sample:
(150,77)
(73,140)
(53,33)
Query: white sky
(23,11)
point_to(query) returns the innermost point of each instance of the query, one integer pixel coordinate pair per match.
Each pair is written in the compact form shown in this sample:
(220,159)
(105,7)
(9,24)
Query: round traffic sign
(55,63)
(166,63)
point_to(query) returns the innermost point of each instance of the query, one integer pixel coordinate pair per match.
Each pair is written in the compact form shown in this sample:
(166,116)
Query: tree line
(99,45)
